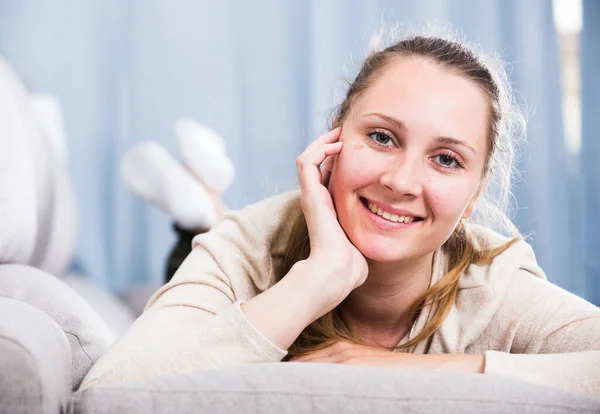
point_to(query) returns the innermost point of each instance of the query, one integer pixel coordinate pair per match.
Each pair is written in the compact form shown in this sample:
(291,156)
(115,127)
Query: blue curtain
(590,144)
(263,74)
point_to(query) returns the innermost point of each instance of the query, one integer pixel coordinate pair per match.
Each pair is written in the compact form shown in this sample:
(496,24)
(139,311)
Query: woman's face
(415,145)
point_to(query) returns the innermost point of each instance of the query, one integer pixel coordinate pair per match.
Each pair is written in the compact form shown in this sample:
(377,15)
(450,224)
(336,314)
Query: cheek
(446,199)
(354,167)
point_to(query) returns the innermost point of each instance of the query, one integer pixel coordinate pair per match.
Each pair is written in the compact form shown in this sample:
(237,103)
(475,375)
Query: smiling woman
(380,258)
(429,113)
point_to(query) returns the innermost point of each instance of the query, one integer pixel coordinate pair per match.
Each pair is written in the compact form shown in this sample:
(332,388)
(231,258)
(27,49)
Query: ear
(473,203)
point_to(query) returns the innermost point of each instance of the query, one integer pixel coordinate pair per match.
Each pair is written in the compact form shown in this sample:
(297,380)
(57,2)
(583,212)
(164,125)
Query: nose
(404,176)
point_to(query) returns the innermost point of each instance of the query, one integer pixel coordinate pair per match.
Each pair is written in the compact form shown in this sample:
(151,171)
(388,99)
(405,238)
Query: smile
(391,217)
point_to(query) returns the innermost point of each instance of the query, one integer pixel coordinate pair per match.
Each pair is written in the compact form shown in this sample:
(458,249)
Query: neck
(380,306)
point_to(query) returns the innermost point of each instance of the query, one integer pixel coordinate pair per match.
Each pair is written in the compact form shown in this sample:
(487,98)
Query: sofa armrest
(86,332)
(299,387)
(35,360)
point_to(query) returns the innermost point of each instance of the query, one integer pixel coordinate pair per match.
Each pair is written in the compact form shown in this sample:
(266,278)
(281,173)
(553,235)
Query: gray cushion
(137,296)
(111,309)
(326,388)
(35,361)
(88,335)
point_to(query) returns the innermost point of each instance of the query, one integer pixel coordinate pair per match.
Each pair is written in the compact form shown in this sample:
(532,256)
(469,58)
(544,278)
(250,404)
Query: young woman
(377,260)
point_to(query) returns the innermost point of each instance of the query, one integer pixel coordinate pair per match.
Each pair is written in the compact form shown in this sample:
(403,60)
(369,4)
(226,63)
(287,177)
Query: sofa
(55,324)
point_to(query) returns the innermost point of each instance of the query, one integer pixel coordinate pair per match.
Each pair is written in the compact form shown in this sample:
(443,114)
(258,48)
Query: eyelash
(459,163)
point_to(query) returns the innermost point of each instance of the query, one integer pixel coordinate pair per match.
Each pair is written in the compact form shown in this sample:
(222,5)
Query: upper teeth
(389,216)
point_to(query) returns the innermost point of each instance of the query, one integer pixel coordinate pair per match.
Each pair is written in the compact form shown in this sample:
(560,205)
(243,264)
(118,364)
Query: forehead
(430,100)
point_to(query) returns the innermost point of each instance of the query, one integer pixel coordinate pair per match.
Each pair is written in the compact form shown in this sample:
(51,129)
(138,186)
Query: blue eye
(380,138)
(448,161)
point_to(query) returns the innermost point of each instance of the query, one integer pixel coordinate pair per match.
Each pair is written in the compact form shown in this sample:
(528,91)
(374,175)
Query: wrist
(282,312)
(318,284)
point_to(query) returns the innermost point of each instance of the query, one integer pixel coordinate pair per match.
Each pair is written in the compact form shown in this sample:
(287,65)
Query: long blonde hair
(506,126)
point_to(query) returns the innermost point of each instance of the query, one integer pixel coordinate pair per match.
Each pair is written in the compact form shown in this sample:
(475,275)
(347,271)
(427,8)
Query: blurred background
(265,74)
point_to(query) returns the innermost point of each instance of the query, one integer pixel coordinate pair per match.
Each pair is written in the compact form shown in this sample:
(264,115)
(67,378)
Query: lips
(390,213)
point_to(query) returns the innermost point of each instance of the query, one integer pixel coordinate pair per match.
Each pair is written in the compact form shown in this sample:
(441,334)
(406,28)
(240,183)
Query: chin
(382,258)
(379,249)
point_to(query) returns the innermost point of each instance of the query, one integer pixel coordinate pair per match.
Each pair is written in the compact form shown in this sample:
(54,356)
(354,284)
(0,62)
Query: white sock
(203,152)
(151,173)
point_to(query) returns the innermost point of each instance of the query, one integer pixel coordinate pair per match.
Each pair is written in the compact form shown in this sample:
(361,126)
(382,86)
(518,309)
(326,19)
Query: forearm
(282,312)
(441,362)
(182,338)
(457,362)
(577,372)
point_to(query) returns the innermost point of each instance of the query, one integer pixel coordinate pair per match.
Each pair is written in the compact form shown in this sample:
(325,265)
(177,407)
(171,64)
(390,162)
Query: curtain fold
(590,144)
(264,74)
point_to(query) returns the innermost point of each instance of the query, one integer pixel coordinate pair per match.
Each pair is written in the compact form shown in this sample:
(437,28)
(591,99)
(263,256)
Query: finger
(326,359)
(309,173)
(325,176)
(328,164)
(307,357)
(327,138)
(331,137)
(316,153)
(326,169)
(319,353)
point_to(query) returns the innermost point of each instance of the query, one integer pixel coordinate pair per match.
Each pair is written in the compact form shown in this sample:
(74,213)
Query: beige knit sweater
(527,327)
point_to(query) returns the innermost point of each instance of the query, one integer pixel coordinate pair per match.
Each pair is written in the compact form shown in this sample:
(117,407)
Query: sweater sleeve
(195,321)
(555,337)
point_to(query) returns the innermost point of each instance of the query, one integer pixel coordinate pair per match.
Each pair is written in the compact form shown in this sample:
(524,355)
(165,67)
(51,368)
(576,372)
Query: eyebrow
(400,125)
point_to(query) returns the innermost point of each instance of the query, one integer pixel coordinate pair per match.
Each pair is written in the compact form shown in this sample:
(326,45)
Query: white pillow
(62,226)
(18,192)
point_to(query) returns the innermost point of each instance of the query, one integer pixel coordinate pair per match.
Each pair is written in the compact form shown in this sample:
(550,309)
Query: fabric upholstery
(117,315)
(18,208)
(58,245)
(37,204)
(137,296)
(87,333)
(35,361)
(38,154)
(61,240)
(325,388)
